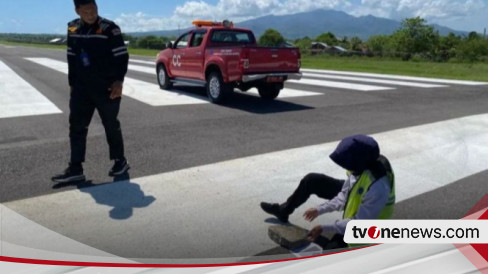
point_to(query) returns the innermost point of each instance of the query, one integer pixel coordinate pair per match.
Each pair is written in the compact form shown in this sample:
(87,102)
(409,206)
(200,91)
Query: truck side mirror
(169,45)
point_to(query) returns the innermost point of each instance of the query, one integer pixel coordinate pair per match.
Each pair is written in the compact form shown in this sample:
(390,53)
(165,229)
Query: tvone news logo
(373,232)
(417,231)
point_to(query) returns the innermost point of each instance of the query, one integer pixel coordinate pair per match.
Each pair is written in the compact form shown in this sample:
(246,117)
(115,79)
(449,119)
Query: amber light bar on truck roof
(203,23)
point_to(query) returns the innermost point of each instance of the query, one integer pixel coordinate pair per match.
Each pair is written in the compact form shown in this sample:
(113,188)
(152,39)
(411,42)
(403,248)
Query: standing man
(368,192)
(97,61)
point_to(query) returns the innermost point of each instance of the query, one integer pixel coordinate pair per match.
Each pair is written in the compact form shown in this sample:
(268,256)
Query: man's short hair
(78,3)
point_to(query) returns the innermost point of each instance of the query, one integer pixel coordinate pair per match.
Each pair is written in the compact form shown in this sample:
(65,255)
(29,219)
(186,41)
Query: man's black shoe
(274,209)
(120,167)
(71,174)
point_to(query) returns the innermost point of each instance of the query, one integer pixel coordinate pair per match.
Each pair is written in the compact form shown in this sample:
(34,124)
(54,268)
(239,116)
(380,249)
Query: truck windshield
(232,36)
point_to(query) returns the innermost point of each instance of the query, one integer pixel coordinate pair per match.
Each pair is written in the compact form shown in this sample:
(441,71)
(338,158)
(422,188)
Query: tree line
(414,40)
(28,38)
(146,42)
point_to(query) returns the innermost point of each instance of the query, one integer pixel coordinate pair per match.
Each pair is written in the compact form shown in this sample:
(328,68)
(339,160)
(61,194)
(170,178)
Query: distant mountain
(314,23)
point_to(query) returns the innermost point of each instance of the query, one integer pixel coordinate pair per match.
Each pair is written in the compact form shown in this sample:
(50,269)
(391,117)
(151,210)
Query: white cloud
(294,6)
(140,22)
(239,10)
(235,10)
(193,9)
(431,10)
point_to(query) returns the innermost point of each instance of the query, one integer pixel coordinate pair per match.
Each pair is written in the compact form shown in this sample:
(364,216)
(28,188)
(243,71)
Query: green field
(44,46)
(464,71)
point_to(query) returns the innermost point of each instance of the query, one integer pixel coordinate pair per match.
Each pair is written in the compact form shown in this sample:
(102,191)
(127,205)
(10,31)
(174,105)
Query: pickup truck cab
(221,58)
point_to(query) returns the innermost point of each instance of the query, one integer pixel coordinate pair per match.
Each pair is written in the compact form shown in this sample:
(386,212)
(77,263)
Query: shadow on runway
(244,101)
(121,194)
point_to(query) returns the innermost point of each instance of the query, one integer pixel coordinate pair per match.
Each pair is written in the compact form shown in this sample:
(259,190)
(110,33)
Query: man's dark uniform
(97,57)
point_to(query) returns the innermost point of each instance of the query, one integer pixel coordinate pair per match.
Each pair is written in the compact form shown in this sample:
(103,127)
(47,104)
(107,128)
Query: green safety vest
(359,190)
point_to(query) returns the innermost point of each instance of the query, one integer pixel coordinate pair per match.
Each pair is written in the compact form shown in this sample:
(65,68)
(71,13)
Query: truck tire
(163,79)
(217,90)
(269,92)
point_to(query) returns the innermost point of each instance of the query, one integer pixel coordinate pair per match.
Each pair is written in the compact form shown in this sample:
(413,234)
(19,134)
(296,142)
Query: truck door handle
(198,53)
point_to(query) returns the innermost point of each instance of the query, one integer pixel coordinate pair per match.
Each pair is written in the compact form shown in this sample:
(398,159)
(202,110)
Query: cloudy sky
(35,16)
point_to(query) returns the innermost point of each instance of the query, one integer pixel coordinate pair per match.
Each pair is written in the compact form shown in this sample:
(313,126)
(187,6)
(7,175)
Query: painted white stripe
(327,83)
(399,77)
(285,93)
(341,85)
(19,98)
(371,80)
(222,199)
(143,69)
(142,91)
(153,63)
(151,94)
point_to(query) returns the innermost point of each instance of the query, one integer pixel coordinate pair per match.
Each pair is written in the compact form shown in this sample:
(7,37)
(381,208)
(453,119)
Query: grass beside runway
(42,46)
(141,52)
(461,71)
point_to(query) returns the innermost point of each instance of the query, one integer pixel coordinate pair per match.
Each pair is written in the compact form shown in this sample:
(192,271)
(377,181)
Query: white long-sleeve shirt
(371,207)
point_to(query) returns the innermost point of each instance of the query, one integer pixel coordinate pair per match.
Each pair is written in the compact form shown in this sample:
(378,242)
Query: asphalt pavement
(199,170)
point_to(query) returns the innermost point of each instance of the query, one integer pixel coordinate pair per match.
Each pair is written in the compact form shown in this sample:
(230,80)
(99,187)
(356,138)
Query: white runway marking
(153,63)
(143,69)
(142,91)
(19,98)
(152,71)
(398,77)
(341,85)
(222,199)
(372,80)
(151,94)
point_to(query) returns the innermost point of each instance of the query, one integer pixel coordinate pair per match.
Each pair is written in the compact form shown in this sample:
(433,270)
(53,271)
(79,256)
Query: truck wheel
(269,92)
(163,78)
(217,90)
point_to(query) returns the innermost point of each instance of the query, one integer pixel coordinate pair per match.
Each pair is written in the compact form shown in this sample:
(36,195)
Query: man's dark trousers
(83,102)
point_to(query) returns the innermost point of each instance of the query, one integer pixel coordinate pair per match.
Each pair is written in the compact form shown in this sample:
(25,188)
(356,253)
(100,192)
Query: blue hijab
(356,153)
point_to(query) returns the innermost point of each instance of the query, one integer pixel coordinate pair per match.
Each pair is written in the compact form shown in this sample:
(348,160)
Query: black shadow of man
(123,195)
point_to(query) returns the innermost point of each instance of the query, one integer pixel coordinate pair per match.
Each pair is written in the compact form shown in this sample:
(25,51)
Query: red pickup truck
(220,57)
